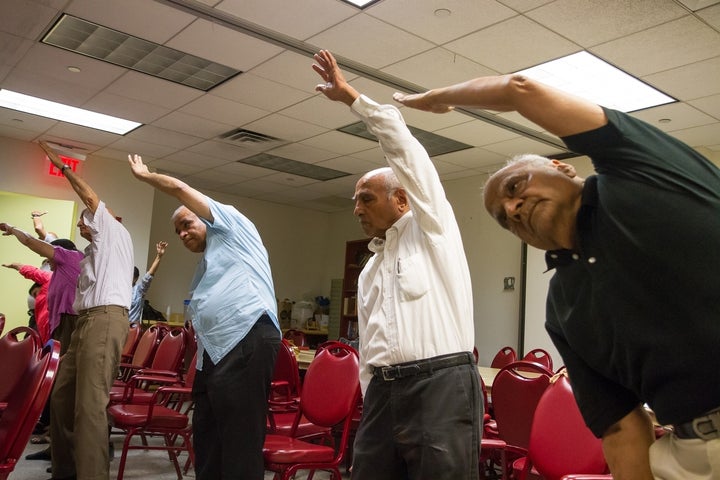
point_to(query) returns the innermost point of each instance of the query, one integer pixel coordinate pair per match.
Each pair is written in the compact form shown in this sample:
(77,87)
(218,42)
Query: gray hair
(389,178)
(528,159)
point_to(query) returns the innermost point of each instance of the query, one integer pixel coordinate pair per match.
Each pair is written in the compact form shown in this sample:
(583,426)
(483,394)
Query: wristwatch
(62,170)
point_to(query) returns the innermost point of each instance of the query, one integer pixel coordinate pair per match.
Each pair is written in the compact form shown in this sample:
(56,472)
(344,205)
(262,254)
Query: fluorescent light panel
(65,113)
(587,76)
(360,3)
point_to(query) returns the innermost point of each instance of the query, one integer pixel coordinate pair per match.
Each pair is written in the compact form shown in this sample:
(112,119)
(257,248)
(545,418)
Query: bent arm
(558,112)
(87,195)
(626,446)
(38,246)
(160,247)
(193,199)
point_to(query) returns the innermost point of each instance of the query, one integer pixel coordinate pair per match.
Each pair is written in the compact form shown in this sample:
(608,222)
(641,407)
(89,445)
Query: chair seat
(284,449)
(305,428)
(139,396)
(132,415)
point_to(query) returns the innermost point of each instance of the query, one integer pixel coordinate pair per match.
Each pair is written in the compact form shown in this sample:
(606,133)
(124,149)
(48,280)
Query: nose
(512,208)
(357,211)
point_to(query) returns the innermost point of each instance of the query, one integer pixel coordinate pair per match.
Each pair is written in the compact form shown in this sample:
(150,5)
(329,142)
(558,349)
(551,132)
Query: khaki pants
(673,458)
(78,420)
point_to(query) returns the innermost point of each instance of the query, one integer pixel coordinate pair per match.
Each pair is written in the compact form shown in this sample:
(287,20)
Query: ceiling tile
(477,133)
(123,107)
(513,45)
(27,19)
(681,116)
(709,105)
(259,92)
(223,110)
(192,125)
(689,81)
(286,128)
(153,90)
(160,136)
(339,142)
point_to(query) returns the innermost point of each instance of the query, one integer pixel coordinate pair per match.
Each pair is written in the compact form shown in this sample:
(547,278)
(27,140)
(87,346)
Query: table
(304,357)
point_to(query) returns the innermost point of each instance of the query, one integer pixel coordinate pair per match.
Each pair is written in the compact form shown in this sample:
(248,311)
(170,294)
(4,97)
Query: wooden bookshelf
(356,256)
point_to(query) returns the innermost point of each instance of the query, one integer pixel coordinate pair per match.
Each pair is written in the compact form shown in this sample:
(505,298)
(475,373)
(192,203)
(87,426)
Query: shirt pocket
(413,278)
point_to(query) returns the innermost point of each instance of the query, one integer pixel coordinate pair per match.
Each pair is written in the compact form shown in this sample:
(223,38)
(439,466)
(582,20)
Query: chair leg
(123,455)
(172,453)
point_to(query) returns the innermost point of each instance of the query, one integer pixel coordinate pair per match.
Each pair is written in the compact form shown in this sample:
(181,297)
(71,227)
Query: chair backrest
(134,332)
(145,350)
(331,387)
(504,356)
(25,404)
(17,348)
(516,391)
(170,351)
(2,322)
(538,355)
(296,337)
(286,372)
(560,443)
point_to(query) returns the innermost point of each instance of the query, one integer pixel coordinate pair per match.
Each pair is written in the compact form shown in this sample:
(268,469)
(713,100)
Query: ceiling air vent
(285,165)
(434,144)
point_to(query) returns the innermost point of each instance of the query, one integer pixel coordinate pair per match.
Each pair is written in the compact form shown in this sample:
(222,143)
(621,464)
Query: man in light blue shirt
(141,285)
(234,314)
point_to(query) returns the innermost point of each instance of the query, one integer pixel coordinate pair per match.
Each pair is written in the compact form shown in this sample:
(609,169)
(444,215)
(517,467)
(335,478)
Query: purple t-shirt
(61,293)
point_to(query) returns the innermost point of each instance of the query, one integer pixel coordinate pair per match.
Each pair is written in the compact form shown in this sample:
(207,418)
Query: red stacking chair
(285,385)
(296,337)
(17,347)
(504,356)
(560,443)
(330,394)
(166,362)
(516,391)
(166,415)
(2,322)
(538,355)
(142,356)
(25,403)
(134,333)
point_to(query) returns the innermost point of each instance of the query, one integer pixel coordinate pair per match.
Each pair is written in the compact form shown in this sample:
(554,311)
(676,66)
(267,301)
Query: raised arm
(160,247)
(335,87)
(38,224)
(194,200)
(558,112)
(87,195)
(38,246)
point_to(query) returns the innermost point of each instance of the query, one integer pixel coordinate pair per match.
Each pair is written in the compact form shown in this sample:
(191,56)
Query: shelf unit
(356,256)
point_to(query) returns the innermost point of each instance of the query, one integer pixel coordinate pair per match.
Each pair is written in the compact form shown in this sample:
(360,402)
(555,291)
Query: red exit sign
(73,162)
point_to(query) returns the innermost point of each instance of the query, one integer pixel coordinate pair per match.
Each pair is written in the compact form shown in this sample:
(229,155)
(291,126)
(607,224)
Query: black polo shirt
(635,314)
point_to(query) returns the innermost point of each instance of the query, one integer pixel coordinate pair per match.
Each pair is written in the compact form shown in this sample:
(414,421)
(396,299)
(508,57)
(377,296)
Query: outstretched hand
(54,157)
(138,168)
(335,86)
(6,229)
(160,247)
(420,101)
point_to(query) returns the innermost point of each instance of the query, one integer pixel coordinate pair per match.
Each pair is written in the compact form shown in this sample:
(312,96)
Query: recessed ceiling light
(442,12)
(589,77)
(360,3)
(74,69)
(65,113)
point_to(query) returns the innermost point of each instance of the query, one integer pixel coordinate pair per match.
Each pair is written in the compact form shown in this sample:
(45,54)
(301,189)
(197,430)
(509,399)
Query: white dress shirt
(414,294)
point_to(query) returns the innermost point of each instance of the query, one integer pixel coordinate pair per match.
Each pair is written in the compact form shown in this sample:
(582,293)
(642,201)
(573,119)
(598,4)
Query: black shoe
(41,455)
(48,470)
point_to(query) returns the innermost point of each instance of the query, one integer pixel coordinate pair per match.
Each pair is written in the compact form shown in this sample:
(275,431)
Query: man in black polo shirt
(633,306)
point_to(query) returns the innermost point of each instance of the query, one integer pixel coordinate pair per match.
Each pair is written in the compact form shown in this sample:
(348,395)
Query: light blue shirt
(232,287)
(138,296)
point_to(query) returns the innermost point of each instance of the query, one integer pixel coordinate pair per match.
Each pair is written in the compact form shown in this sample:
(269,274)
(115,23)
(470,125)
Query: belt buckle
(387,371)
(707,427)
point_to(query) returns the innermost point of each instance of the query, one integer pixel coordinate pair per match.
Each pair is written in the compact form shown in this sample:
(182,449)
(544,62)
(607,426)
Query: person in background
(141,288)
(32,294)
(632,306)
(64,261)
(42,278)
(234,315)
(78,420)
(422,405)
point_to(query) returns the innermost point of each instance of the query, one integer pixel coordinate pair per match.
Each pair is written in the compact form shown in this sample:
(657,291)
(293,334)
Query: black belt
(428,365)
(705,427)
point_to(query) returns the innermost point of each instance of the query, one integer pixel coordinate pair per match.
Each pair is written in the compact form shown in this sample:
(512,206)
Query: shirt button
(553,255)
(592,260)
(575,256)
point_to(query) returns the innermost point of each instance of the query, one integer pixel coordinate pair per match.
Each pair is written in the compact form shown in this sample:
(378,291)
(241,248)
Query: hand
(14,266)
(54,157)
(139,169)
(420,101)
(160,247)
(6,229)
(37,213)
(335,86)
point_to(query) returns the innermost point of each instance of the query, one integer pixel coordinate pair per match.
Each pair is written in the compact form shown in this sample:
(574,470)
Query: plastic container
(301,313)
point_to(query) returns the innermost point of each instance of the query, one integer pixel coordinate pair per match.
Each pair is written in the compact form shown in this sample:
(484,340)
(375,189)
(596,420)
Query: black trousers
(424,427)
(230,413)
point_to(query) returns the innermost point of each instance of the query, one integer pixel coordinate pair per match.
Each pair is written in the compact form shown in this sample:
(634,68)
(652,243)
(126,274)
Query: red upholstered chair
(17,348)
(142,356)
(166,415)
(285,385)
(134,333)
(560,443)
(538,355)
(296,337)
(516,391)
(503,357)
(330,394)
(25,403)
(166,362)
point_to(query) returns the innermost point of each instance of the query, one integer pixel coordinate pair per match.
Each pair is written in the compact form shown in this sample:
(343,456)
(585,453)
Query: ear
(565,168)
(401,198)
